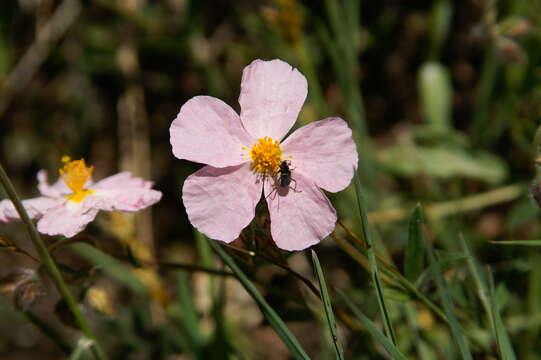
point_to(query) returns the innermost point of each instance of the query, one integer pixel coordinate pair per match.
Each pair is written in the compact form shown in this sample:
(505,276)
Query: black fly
(284,173)
(283,179)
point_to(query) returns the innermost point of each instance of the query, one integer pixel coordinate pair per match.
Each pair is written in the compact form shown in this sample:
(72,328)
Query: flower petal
(67,219)
(299,218)
(325,151)
(123,192)
(3,217)
(208,131)
(220,202)
(272,94)
(35,208)
(59,188)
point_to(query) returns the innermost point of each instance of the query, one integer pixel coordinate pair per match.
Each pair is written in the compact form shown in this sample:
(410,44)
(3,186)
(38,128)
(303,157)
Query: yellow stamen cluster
(75,174)
(266,156)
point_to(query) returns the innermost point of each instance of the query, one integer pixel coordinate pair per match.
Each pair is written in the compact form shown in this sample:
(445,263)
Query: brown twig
(64,16)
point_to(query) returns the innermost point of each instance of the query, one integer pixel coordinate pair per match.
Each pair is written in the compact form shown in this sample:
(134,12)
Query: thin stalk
(356,255)
(307,282)
(193,268)
(457,333)
(343,316)
(327,306)
(49,264)
(274,319)
(374,272)
(61,243)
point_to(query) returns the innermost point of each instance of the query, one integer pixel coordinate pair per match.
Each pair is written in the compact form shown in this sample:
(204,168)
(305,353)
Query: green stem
(49,263)
(373,262)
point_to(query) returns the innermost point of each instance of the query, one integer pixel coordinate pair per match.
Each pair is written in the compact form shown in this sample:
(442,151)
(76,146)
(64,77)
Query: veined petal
(272,94)
(324,151)
(67,219)
(208,131)
(34,207)
(300,218)
(220,202)
(123,192)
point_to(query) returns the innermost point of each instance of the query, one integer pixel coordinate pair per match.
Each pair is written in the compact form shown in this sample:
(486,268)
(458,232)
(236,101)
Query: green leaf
(445,261)
(113,267)
(414,258)
(490,304)
(502,338)
(442,160)
(373,263)
(436,93)
(188,317)
(447,302)
(517,242)
(442,12)
(373,329)
(327,305)
(274,319)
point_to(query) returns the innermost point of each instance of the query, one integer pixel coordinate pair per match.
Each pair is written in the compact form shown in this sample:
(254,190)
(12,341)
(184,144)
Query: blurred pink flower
(73,201)
(244,153)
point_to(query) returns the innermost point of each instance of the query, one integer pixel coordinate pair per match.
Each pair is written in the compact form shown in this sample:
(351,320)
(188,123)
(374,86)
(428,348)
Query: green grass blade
(444,263)
(327,305)
(502,338)
(356,253)
(373,263)
(413,263)
(373,329)
(487,299)
(189,319)
(447,302)
(113,267)
(274,319)
(518,242)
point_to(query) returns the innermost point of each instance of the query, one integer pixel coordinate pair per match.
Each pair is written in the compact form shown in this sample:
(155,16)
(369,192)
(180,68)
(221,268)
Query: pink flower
(73,201)
(241,151)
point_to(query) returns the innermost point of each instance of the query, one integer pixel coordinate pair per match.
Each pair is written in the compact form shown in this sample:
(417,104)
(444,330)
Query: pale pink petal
(122,192)
(35,208)
(67,220)
(272,94)
(299,218)
(59,188)
(220,202)
(123,179)
(208,131)
(325,151)
(3,217)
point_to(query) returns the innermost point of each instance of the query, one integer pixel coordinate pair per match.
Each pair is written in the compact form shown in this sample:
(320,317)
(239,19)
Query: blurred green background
(444,98)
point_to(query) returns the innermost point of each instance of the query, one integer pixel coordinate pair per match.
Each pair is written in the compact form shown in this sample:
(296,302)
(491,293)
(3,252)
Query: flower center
(266,156)
(75,174)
